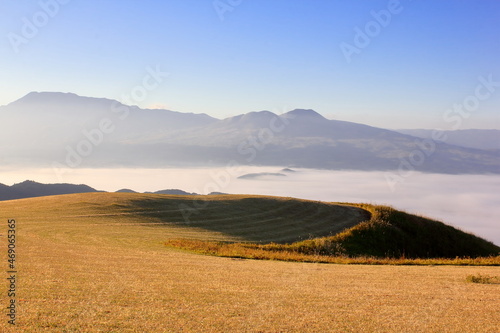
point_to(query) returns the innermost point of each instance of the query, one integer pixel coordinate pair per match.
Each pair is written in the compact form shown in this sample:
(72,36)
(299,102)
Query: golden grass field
(97,263)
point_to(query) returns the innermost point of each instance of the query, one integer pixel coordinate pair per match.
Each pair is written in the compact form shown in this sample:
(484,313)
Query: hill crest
(309,227)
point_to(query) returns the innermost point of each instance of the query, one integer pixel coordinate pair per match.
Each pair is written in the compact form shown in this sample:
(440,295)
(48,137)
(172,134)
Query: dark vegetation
(393,233)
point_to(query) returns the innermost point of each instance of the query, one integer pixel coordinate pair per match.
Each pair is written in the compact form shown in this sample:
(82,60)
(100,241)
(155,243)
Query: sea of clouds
(469,202)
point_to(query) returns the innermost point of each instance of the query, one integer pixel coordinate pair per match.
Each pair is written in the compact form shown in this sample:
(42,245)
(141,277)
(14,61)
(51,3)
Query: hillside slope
(393,233)
(88,263)
(240,218)
(303,226)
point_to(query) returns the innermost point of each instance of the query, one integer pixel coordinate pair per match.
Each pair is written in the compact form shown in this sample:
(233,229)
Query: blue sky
(248,55)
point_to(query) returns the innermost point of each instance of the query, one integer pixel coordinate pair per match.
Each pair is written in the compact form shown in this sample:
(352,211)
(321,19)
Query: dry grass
(485,279)
(266,252)
(389,237)
(113,274)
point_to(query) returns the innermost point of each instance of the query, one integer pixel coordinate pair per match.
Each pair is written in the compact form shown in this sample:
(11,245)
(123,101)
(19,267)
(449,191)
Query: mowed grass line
(224,218)
(113,274)
(389,237)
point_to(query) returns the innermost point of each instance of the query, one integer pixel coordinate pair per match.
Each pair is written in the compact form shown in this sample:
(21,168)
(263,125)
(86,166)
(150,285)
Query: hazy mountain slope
(303,138)
(40,126)
(487,139)
(66,130)
(291,129)
(71,109)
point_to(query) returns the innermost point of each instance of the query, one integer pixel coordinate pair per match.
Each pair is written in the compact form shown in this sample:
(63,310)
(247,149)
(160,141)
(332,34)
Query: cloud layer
(469,202)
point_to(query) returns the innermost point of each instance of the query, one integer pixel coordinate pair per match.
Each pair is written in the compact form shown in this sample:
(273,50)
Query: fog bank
(469,202)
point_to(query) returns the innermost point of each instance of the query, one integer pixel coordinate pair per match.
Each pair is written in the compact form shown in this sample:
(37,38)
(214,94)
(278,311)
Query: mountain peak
(251,119)
(258,115)
(36,96)
(48,98)
(304,113)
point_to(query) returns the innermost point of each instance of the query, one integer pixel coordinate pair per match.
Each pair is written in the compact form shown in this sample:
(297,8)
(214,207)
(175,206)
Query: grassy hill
(269,224)
(97,262)
(415,236)
(241,218)
(396,234)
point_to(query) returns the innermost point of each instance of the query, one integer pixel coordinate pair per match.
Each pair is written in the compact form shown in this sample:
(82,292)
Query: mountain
(65,130)
(173,192)
(487,139)
(42,127)
(126,190)
(29,189)
(304,138)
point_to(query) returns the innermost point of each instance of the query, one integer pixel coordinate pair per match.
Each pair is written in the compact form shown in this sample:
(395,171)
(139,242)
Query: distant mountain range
(66,130)
(30,189)
(169,191)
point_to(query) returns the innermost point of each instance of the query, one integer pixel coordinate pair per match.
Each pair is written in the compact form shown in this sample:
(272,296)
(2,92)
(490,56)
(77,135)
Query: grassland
(97,263)
(486,279)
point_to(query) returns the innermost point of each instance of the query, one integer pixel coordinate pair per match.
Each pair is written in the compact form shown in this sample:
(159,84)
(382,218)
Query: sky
(391,64)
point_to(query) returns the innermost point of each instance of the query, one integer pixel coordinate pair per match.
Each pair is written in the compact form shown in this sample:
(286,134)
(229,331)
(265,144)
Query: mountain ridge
(100,132)
(31,189)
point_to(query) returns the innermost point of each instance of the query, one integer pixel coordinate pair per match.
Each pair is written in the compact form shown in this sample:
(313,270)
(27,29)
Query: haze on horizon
(391,64)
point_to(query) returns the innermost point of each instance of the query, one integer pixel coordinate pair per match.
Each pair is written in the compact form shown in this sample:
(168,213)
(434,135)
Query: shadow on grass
(251,219)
